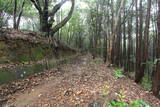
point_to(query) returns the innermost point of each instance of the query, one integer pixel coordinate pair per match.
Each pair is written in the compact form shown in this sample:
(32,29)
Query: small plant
(105,89)
(136,103)
(118,73)
(98,60)
(139,103)
(147,83)
(121,95)
(117,104)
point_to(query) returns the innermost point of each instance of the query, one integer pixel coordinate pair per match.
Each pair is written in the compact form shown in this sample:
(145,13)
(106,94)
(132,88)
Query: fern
(136,103)
(118,73)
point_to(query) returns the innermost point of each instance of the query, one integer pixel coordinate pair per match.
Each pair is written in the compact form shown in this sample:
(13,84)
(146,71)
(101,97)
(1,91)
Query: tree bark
(137,37)
(14,14)
(114,30)
(124,47)
(146,36)
(156,76)
(16,21)
(129,44)
(44,15)
(139,75)
(20,15)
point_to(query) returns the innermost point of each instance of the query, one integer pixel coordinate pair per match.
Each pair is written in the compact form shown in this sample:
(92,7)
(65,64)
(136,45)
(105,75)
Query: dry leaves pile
(81,83)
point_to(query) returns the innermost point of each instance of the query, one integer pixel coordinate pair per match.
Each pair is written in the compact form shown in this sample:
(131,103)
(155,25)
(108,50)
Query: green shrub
(139,103)
(118,73)
(117,104)
(98,60)
(146,83)
(136,103)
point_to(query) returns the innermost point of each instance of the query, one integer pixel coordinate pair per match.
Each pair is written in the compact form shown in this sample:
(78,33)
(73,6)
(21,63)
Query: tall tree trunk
(156,76)
(139,75)
(14,14)
(137,37)
(124,47)
(105,48)
(129,44)
(118,43)
(44,27)
(114,30)
(144,57)
(16,21)
(146,34)
(20,15)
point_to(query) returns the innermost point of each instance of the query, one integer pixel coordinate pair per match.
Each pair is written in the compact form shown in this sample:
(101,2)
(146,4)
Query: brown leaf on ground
(76,84)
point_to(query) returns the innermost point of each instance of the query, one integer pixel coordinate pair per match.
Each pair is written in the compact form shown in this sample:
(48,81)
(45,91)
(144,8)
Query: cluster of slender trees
(128,32)
(156,73)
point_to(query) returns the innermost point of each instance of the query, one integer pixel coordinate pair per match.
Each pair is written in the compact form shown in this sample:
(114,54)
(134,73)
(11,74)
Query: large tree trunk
(118,43)
(156,77)
(144,57)
(43,23)
(44,27)
(139,75)
(146,34)
(114,30)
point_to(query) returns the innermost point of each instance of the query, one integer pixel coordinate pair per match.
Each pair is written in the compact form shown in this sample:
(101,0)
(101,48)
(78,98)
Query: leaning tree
(46,17)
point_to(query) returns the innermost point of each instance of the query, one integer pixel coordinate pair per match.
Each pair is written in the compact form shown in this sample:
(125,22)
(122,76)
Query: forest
(79,53)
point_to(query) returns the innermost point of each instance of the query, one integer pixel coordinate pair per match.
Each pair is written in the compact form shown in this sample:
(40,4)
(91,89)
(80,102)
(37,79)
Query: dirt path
(81,83)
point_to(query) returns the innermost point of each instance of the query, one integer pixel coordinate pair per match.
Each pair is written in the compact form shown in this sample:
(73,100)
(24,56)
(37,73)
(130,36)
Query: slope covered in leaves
(81,83)
(19,46)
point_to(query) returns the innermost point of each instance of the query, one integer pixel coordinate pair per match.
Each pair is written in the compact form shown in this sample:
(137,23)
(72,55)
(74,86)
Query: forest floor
(83,82)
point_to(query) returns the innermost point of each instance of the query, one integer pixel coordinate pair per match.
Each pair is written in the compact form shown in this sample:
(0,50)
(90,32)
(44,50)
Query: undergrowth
(118,73)
(120,99)
(136,103)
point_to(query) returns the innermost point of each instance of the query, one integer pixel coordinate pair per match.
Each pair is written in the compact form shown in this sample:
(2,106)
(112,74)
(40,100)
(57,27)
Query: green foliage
(4,4)
(148,63)
(139,103)
(118,73)
(98,60)
(151,63)
(136,103)
(73,32)
(117,104)
(8,5)
(147,82)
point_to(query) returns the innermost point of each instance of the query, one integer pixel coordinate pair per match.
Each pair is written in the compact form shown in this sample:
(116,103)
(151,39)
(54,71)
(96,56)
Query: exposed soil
(80,83)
